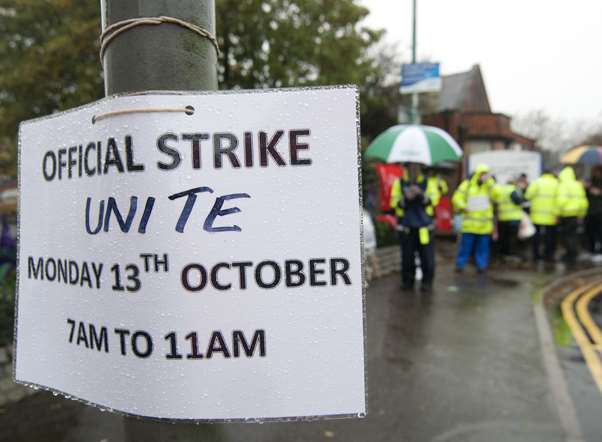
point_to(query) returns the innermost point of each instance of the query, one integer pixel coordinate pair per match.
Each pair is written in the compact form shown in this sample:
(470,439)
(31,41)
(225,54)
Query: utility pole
(165,57)
(415,114)
(414,31)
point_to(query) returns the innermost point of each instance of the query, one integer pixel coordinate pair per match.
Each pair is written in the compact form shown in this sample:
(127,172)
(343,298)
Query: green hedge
(385,235)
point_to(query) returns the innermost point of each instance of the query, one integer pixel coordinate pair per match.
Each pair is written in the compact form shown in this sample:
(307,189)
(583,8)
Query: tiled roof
(464,91)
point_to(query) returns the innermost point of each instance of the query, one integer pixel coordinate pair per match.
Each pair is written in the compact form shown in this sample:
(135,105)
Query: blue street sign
(420,77)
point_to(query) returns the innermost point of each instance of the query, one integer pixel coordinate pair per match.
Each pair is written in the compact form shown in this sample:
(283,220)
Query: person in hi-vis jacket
(413,208)
(473,200)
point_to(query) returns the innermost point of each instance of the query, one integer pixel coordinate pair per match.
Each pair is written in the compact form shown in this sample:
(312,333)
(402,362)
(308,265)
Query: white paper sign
(202,267)
(508,164)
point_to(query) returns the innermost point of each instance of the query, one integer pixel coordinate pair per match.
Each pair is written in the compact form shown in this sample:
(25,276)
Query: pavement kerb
(565,407)
(586,318)
(572,310)
(588,273)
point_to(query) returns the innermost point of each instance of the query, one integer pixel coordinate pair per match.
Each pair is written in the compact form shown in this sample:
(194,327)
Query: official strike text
(206,150)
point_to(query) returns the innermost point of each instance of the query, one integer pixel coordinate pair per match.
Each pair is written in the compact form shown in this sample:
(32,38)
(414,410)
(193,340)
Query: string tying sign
(116,29)
(188,110)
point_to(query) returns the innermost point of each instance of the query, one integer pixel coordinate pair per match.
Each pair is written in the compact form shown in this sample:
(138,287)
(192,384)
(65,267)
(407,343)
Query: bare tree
(555,134)
(594,136)
(550,133)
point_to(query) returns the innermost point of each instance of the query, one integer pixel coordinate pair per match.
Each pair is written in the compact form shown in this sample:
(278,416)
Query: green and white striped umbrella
(414,144)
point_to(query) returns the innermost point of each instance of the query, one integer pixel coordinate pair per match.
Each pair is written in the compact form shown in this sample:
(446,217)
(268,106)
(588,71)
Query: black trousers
(508,237)
(570,238)
(410,245)
(594,233)
(547,236)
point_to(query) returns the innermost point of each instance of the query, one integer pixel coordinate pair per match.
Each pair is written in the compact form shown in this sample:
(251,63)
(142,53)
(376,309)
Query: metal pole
(167,58)
(415,115)
(413,31)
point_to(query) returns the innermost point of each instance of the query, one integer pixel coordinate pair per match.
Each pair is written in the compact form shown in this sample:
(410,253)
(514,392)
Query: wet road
(461,364)
(578,355)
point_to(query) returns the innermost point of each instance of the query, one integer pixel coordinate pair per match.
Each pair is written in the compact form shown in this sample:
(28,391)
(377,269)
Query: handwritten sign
(201,264)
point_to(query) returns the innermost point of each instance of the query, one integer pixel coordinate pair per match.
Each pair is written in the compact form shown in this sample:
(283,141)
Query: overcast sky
(533,53)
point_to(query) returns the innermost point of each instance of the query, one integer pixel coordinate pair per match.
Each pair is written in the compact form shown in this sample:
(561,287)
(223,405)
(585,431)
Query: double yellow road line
(576,313)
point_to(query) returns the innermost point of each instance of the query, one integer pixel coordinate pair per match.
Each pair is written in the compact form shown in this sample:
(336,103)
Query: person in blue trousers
(473,200)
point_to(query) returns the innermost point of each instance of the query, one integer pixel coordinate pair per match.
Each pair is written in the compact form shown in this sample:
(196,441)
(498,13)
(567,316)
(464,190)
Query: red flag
(444,215)
(387,175)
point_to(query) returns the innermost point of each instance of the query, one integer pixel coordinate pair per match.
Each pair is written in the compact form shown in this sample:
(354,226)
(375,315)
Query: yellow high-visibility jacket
(542,194)
(507,210)
(397,199)
(571,200)
(436,187)
(474,202)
